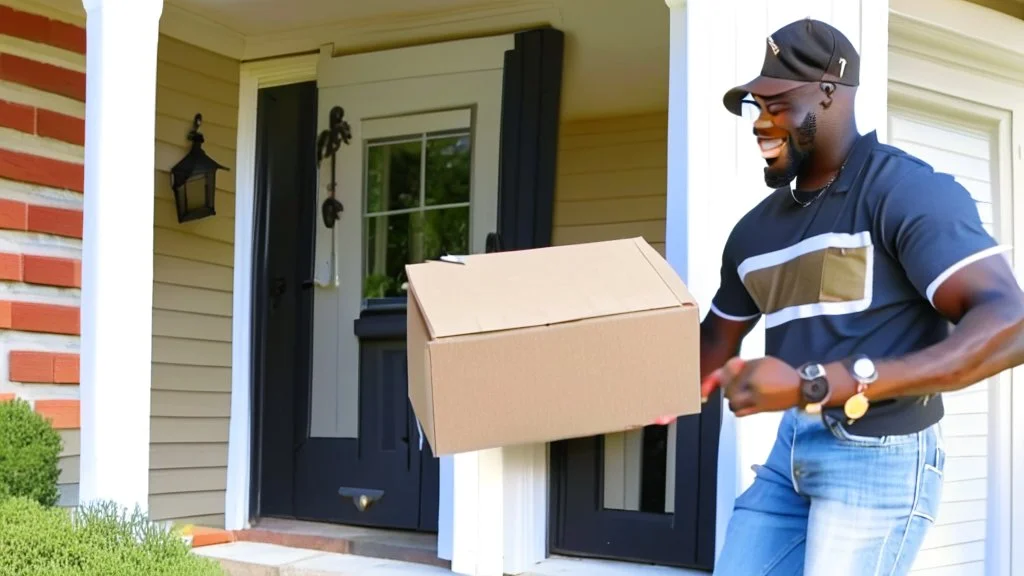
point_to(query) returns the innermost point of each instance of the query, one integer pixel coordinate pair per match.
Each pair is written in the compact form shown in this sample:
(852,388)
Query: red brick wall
(42,134)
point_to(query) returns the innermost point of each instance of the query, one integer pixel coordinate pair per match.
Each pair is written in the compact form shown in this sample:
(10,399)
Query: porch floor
(261,559)
(403,546)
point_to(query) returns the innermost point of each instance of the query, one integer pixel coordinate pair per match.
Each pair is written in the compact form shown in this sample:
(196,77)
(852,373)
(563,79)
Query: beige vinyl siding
(611,180)
(69,463)
(192,284)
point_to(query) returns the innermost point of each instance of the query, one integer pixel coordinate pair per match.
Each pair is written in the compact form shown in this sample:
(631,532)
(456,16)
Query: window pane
(393,176)
(394,240)
(448,170)
(639,470)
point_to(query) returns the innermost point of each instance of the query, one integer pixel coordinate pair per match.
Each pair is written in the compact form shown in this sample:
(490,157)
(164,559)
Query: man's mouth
(771,148)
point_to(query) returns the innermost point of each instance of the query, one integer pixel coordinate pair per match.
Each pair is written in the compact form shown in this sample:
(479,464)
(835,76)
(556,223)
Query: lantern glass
(194,180)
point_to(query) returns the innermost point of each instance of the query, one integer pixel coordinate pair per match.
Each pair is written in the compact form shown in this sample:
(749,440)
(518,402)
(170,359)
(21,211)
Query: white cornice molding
(393,30)
(967,45)
(674,4)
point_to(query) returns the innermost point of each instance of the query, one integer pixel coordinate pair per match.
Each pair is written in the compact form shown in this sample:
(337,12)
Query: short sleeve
(930,224)
(732,301)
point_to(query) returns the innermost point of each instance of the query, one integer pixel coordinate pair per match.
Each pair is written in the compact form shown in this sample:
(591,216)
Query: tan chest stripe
(827,275)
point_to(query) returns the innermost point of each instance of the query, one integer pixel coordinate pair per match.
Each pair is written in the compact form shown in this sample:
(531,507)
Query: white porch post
(117,254)
(700,206)
(499,510)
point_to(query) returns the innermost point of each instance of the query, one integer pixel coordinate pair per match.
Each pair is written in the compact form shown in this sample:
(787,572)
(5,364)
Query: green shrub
(29,448)
(90,541)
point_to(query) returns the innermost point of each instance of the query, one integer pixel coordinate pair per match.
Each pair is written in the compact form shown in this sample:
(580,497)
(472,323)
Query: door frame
(453,56)
(239,504)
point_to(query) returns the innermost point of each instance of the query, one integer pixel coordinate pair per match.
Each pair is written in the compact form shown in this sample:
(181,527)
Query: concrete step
(259,559)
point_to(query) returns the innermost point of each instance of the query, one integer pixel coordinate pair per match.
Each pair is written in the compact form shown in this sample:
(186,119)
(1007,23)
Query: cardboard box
(549,344)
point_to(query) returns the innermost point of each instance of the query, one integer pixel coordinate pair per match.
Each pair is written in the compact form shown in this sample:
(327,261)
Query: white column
(703,202)
(117,255)
(499,510)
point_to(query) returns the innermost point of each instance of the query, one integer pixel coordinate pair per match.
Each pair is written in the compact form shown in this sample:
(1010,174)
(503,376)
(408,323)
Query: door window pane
(417,207)
(447,170)
(639,470)
(393,176)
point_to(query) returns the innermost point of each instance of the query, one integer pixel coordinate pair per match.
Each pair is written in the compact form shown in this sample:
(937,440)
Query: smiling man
(858,261)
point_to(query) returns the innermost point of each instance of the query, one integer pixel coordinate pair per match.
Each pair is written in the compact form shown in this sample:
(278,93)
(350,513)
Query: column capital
(670,3)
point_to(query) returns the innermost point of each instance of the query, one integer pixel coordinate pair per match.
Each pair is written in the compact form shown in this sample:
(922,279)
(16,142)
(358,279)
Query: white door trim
(252,77)
(935,106)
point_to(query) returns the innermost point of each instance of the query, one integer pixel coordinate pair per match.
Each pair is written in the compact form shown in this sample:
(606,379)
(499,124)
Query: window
(417,206)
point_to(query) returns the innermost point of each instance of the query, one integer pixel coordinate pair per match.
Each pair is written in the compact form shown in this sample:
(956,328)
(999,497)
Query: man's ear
(829,89)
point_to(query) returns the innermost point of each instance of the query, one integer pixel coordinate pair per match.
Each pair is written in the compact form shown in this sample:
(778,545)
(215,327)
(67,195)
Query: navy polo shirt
(855,272)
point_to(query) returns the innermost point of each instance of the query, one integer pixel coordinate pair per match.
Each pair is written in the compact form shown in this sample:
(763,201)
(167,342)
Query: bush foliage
(91,541)
(29,448)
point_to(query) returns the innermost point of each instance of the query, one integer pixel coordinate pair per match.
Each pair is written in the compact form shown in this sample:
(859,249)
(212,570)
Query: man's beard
(796,156)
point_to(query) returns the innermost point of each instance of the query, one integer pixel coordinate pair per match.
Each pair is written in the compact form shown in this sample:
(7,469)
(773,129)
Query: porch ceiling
(616,57)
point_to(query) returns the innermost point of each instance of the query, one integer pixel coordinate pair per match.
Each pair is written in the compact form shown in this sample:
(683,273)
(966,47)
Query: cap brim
(762,86)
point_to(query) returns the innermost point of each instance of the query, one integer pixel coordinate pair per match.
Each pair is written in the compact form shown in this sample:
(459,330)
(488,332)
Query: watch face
(814,390)
(864,368)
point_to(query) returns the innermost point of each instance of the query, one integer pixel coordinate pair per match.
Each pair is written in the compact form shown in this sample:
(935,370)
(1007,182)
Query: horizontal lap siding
(611,180)
(192,287)
(42,133)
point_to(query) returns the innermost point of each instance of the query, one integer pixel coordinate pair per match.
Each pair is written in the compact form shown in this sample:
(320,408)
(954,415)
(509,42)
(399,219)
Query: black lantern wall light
(194,179)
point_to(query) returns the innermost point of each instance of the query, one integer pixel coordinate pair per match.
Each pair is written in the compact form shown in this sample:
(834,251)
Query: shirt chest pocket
(844,275)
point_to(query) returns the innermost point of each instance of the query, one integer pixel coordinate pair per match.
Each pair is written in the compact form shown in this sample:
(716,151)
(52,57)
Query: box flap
(520,289)
(668,275)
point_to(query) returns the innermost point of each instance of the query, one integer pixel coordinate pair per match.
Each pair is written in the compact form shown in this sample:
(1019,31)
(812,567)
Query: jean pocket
(930,489)
(844,436)
(937,463)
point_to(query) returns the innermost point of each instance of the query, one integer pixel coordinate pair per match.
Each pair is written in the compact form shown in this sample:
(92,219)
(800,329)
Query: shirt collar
(856,161)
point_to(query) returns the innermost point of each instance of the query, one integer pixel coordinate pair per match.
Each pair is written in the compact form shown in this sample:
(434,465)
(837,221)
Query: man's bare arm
(987,306)
(720,340)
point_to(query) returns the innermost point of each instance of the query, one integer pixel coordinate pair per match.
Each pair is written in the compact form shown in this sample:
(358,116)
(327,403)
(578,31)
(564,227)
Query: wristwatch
(864,373)
(814,387)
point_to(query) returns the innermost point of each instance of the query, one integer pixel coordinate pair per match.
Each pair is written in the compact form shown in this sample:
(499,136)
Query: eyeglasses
(750,110)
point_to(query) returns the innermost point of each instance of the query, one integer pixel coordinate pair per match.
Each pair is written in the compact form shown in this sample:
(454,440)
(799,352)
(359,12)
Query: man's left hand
(753,386)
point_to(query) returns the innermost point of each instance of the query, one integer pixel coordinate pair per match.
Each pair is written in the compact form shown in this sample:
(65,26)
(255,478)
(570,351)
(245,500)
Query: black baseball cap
(802,52)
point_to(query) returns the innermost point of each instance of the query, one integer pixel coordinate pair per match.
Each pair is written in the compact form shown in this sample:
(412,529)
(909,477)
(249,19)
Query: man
(858,270)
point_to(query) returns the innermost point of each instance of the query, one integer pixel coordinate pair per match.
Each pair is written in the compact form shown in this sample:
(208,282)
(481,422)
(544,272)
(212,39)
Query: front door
(414,177)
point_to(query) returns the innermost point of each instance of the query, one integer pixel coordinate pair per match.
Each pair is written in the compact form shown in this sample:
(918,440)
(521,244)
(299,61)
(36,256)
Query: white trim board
(252,77)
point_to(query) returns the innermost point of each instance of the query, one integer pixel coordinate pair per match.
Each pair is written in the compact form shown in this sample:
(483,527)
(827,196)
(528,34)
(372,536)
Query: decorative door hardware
(328,143)
(330,140)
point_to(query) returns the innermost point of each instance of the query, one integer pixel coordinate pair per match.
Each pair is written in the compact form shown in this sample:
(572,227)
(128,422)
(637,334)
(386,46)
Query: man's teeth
(771,148)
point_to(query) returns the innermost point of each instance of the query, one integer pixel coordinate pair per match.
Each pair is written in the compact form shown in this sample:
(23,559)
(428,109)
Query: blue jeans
(830,503)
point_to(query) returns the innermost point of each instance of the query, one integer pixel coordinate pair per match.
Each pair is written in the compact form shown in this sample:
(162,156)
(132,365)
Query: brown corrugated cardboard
(548,344)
